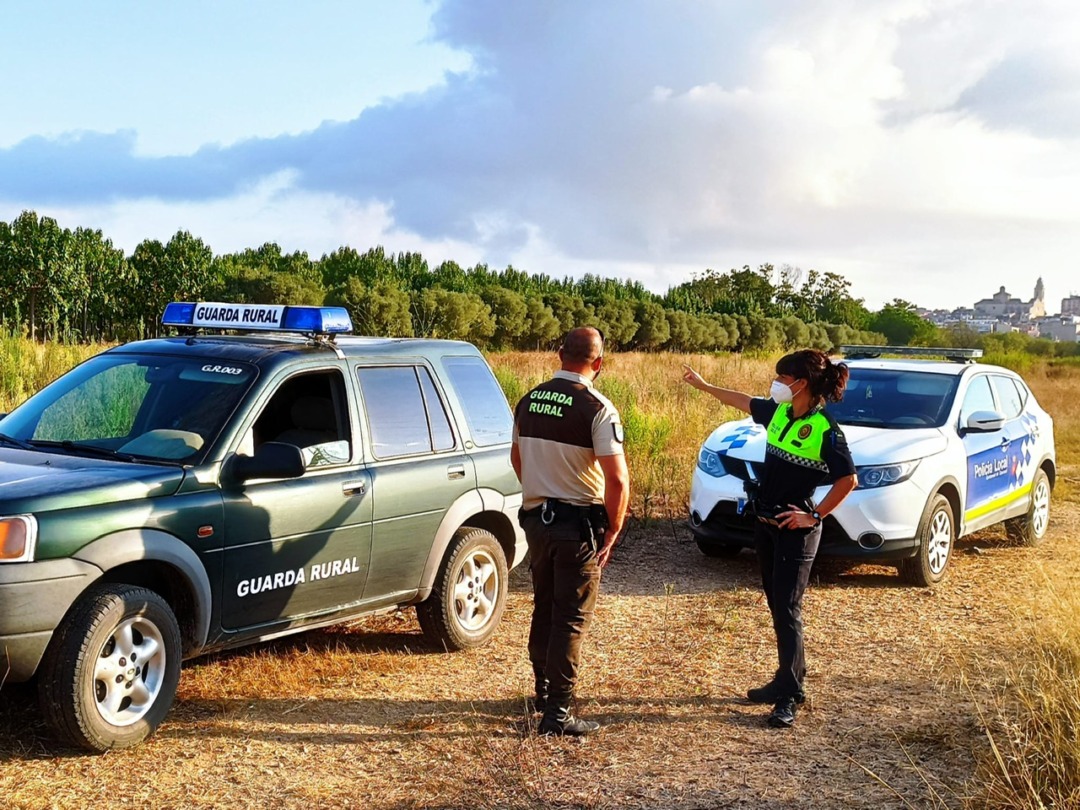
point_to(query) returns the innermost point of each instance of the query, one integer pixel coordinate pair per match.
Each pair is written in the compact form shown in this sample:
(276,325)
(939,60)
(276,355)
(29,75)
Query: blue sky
(925,150)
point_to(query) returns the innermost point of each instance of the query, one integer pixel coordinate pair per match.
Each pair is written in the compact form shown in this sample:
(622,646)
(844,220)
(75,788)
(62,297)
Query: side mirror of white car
(985,422)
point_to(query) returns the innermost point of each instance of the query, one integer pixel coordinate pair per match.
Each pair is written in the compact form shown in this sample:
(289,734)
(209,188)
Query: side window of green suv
(405,414)
(309,411)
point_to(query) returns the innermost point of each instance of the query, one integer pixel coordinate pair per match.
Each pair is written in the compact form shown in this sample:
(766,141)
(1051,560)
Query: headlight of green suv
(882,475)
(709,462)
(18,534)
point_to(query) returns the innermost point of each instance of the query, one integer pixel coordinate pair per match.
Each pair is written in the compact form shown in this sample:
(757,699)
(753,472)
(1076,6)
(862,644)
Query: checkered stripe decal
(1027,446)
(737,438)
(793,459)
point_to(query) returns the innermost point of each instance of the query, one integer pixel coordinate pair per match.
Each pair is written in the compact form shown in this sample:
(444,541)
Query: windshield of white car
(895,399)
(133,407)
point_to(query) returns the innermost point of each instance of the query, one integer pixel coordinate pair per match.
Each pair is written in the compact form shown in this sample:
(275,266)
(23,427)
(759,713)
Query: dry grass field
(918,698)
(366,716)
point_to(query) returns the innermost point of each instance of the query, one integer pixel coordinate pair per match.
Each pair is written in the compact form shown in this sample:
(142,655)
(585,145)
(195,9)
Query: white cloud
(918,147)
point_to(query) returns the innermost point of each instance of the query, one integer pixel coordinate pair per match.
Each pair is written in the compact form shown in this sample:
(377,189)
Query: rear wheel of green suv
(469,596)
(110,673)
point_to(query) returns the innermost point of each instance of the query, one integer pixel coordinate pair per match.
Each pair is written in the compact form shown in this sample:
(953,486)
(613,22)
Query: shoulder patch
(805,431)
(617,429)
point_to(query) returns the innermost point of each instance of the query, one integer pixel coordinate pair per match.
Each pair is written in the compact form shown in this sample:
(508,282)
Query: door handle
(353,487)
(1004,444)
(455,471)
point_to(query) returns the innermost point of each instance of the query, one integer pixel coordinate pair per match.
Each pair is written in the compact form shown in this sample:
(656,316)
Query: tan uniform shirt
(561,428)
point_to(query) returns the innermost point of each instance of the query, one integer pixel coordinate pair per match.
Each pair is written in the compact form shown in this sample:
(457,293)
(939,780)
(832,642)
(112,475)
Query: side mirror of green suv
(271,460)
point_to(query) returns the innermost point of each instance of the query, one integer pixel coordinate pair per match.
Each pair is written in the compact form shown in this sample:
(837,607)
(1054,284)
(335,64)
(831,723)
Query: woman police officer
(805,448)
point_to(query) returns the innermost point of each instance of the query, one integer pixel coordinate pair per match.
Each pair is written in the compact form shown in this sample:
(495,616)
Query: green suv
(173,497)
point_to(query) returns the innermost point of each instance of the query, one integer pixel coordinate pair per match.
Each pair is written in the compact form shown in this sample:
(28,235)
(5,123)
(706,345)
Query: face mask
(780,392)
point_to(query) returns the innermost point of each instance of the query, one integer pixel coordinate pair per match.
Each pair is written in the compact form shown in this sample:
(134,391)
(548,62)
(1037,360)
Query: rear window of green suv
(486,410)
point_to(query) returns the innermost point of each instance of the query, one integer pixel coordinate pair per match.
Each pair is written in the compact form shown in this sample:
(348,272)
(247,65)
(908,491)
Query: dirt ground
(365,715)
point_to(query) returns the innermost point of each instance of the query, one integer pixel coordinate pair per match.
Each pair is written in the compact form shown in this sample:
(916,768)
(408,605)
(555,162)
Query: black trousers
(786,556)
(566,581)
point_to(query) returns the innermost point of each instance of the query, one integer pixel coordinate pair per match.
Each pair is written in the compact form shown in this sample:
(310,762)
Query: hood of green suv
(41,482)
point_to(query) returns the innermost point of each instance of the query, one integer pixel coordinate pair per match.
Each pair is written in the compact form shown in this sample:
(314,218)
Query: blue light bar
(262,317)
(321,320)
(177,314)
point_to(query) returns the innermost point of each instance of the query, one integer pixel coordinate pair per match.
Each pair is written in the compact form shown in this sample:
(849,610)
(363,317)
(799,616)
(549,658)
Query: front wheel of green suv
(110,673)
(469,595)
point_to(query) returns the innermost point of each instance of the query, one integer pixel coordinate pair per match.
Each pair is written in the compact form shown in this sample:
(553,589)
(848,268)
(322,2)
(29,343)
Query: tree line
(75,285)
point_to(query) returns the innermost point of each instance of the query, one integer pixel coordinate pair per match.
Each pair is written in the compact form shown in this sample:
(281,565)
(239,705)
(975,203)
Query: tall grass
(27,366)
(1032,720)
(665,420)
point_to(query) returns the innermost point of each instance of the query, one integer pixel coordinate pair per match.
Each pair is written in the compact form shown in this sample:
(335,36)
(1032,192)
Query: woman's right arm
(736,399)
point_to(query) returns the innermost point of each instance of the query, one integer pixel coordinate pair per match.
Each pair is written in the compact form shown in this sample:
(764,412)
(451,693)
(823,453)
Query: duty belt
(766,513)
(552,510)
(592,520)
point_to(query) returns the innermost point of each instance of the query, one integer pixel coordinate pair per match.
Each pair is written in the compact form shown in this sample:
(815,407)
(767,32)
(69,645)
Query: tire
(469,596)
(719,550)
(109,675)
(937,537)
(1030,529)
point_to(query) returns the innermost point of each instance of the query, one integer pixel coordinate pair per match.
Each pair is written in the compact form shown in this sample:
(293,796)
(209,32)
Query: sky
(923,149)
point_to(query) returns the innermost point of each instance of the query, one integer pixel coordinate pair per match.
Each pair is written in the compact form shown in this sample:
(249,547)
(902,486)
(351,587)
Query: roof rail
(858,352)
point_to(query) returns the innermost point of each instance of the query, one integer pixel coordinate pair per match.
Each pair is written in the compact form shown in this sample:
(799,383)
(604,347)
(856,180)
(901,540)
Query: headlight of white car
(881,475)
(709,462)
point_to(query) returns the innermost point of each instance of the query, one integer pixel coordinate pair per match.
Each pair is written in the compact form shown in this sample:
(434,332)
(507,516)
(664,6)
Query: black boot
(770,694)
(783,713)
(558,721)
(540,699)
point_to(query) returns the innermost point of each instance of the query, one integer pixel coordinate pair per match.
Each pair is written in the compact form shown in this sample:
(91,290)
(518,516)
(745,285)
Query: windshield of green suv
(895,398)
(133,407)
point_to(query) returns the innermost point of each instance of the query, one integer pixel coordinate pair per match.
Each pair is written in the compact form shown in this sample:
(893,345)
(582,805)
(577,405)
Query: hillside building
(1065,328)
(1001,305)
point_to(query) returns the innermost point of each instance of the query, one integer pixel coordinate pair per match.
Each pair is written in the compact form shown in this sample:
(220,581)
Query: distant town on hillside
(1001,312)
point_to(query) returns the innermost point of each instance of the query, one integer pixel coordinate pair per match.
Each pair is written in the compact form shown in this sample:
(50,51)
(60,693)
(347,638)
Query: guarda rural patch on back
(549,403)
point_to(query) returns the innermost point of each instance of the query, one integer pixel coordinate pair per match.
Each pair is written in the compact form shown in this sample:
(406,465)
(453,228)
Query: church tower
(1037,309)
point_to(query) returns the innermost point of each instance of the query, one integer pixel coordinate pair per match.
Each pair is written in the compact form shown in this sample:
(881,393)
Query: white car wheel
(1030,529)
(937,533)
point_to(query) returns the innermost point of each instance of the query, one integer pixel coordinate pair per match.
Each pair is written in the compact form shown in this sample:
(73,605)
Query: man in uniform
(568,455)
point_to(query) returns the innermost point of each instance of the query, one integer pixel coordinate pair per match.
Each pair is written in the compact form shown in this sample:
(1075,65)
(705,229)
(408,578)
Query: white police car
(942,449)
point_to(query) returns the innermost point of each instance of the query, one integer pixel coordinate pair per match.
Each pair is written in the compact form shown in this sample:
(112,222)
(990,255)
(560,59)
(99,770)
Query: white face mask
(780,392)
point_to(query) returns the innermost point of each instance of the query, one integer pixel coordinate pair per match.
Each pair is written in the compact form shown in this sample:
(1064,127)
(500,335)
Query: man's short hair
(582,344)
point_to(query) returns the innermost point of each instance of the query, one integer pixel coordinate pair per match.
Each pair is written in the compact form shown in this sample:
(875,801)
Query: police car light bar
(965,355)
(261,317)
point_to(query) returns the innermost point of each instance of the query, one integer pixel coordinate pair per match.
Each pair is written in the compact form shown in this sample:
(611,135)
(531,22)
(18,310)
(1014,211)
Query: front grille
(741,469)
(725,518)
